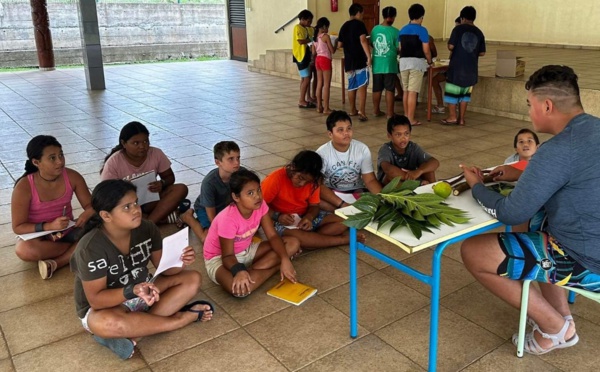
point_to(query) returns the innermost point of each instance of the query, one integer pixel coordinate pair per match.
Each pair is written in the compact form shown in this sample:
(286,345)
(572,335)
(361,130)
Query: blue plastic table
(480,222)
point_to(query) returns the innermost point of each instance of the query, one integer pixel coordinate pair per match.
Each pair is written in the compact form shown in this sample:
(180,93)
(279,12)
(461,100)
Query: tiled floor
(187,108)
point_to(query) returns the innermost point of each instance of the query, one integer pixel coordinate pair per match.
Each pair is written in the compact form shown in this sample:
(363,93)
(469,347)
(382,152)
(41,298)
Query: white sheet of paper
(173,246)
(34,235)
(296,222)
(348,198)
(144,195)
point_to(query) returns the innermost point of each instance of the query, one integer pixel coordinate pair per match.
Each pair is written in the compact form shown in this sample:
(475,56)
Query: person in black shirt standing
(357,59)
(466,44)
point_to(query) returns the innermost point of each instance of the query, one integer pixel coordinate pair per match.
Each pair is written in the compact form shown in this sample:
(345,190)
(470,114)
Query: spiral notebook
(294,293)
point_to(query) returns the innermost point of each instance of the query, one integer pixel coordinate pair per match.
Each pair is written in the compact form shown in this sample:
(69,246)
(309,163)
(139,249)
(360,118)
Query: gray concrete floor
(188,107)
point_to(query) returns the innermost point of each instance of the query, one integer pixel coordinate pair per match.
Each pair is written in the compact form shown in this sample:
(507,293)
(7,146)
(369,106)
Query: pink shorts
(323,63)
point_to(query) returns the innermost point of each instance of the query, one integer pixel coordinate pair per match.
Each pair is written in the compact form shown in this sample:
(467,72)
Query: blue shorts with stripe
(540,257)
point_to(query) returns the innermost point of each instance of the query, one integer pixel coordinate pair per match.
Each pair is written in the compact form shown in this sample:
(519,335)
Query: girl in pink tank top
(41,202)
(324,50)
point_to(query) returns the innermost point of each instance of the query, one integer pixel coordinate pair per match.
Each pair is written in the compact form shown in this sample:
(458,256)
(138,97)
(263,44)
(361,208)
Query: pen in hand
(64,211)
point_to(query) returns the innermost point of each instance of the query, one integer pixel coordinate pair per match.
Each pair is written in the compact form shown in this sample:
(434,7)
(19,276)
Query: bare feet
(187,216)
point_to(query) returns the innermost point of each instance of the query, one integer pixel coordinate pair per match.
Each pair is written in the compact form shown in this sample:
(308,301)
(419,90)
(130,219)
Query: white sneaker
(438,110)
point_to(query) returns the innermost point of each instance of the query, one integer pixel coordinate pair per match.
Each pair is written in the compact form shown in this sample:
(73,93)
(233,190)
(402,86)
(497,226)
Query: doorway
(371,13)
(236,11)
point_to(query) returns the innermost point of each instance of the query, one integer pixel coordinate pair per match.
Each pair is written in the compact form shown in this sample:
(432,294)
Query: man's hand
(506,173)
(473,175)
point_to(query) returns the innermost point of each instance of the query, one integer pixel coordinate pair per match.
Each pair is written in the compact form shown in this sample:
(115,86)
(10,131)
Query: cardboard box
(508,64)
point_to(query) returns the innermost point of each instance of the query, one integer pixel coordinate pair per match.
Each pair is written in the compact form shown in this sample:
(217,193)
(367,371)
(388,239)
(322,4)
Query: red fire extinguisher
(334,5)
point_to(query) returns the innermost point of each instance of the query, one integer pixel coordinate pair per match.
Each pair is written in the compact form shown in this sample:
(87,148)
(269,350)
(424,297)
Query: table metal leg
(429,92)
(436,268)
(353,284)
(343,83)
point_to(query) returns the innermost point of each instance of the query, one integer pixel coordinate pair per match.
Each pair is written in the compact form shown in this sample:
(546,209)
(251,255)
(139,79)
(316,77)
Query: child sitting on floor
(292,194)
(41,201)
(215,193)
(233,260)
(347,164)
(526,144)
(133,157)
(115,299)
(403,158)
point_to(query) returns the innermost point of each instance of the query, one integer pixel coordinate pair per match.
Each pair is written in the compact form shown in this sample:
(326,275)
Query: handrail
(282,27)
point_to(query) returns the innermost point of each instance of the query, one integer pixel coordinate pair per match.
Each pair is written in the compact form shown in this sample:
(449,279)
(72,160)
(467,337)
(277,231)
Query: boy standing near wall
(302,55)
(415,57)
(466,44)
(357,59)
(384,38)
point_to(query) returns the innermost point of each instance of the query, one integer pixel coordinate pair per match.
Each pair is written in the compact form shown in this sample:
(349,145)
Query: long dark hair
(321,22)
(308,162)
(35,150)
(129,130)
(106,197)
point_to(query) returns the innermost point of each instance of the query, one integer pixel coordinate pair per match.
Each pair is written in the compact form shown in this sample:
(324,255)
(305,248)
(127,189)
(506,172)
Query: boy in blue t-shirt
(415,58)
(215,193)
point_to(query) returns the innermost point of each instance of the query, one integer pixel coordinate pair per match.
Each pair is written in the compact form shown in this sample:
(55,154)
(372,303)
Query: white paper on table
(333,40)
(296,222)
(348,198)
(173,246)
(144,195)
(34,235)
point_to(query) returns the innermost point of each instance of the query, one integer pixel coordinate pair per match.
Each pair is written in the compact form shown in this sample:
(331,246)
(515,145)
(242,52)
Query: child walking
(324,50)
(293,196)
(115,298)
(233,260)
(41,201)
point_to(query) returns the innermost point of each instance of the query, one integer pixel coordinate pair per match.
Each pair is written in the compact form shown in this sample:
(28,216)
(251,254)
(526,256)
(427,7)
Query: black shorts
(305,63)
(381,81)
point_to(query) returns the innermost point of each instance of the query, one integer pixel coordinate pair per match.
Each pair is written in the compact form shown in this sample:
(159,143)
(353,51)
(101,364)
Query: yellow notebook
(293,293)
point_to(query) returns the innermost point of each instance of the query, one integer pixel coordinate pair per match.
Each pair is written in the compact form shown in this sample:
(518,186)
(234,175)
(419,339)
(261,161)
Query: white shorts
(245,257)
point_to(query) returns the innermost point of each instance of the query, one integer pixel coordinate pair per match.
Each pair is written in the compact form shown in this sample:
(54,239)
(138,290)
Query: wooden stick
(457,189)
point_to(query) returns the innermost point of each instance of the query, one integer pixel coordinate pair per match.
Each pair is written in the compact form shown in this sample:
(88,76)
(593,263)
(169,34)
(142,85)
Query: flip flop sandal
(200,313)
(123,347)
(307,106)
(362,117)
(354,114)
(416,124)
(446,122)
(184,205)
(379,114)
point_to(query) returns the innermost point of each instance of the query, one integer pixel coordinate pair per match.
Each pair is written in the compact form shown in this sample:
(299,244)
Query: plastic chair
(525,301)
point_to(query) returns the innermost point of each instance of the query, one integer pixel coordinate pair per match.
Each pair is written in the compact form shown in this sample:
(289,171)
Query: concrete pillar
(43,37)
(90,45)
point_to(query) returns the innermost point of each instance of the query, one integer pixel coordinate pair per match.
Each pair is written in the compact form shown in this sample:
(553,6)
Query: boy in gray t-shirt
(403,158)
(215,193)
